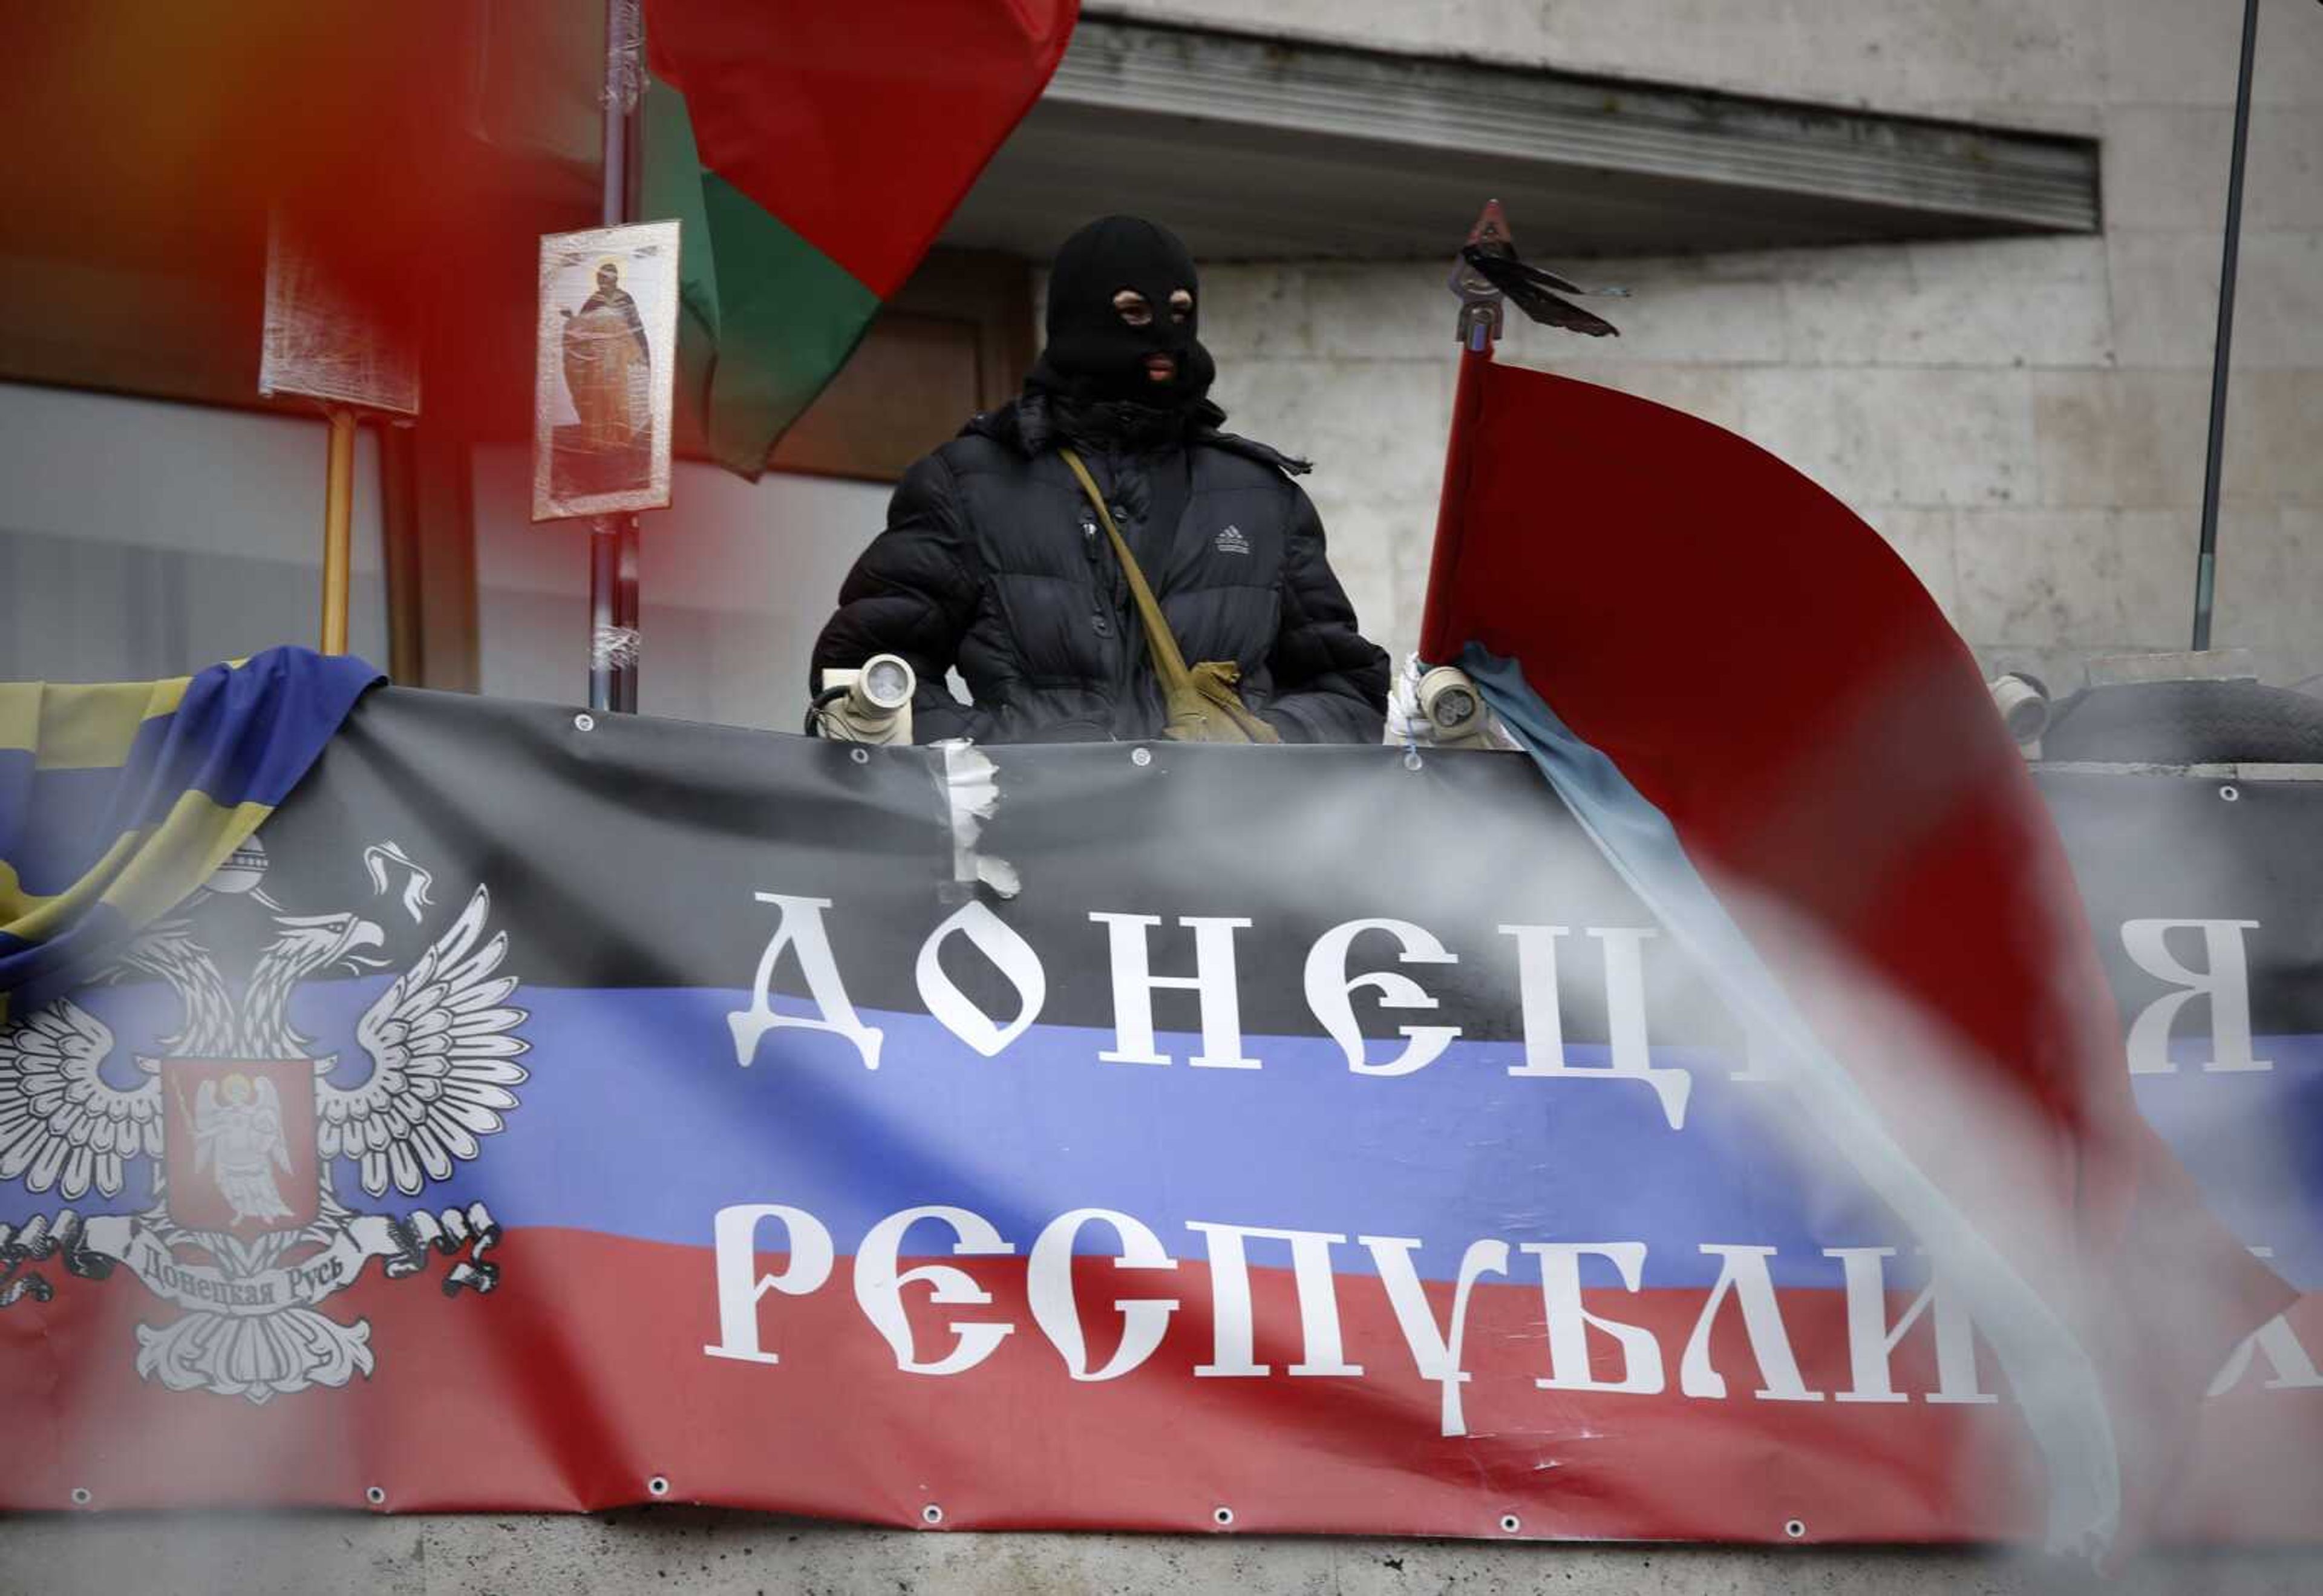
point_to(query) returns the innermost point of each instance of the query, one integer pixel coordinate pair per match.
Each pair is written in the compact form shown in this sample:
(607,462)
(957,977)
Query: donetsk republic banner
(535,1116)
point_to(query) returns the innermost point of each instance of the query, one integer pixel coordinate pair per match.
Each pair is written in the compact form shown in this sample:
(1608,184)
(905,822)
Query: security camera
(872,704)
(1453,707)
(2022,702)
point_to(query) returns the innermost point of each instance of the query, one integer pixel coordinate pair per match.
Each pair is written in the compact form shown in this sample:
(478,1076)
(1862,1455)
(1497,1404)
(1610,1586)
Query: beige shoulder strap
(1167,662)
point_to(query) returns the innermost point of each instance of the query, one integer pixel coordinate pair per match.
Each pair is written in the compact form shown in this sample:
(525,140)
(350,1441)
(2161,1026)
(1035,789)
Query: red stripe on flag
(583,1378)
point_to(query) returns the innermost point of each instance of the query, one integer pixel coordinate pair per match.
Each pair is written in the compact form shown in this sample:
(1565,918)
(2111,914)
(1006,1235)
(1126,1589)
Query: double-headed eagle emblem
(245,1123)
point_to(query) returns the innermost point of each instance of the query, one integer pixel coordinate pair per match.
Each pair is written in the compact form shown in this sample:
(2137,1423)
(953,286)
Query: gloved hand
(1405,724)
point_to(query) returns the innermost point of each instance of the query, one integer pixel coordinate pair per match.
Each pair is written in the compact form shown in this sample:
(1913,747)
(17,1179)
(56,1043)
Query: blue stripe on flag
(636,1122)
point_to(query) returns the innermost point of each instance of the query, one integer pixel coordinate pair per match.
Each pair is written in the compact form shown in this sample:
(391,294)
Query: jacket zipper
(1128,637)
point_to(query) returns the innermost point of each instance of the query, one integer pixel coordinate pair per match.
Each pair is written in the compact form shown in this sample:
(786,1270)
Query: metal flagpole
(604,638)
(613,539)
(1479,328)
(625,616)
(2206,563)
(625,563)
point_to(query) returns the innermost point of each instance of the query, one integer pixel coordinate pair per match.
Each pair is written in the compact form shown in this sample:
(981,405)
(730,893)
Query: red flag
(815,154)
(1768,676)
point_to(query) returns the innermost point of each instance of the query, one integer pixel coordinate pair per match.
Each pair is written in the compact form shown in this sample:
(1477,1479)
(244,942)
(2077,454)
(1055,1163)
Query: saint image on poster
(608,373)
(601,427)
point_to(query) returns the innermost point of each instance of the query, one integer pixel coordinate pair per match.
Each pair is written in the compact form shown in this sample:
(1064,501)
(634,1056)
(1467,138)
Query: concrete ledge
(2217,773)
(716,1554)
(2212,664)
(1262,149)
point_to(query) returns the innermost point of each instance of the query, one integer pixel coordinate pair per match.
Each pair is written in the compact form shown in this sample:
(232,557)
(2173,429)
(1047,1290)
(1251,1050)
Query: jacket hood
(1028,423)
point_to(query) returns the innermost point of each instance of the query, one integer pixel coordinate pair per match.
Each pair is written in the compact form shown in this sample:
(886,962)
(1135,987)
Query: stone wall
(2024,419)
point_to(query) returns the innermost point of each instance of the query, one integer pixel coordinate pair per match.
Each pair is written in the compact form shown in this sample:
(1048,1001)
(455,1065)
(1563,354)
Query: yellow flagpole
(339,534)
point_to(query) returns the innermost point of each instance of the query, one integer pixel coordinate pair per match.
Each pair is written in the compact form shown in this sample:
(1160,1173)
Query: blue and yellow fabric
(117,800)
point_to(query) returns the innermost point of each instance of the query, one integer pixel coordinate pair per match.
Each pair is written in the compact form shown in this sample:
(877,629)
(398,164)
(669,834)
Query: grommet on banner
(2230,792)
(585,721)
(932,1514)
(859,754)
(1411,760)
(1511,1524)
(81,1496)
(658,1486)
(1796,1529)
(1223,1517)
(376,1495)
(1140,756)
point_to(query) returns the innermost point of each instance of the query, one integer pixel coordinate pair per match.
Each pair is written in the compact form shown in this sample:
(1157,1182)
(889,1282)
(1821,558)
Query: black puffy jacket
(993,561)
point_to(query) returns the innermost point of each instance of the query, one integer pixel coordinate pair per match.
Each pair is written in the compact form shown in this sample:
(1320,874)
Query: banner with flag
(549,1113)
(811,154)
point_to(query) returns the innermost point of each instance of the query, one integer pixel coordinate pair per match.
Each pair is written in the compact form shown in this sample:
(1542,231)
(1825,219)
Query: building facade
(2023,418)
(1957,260)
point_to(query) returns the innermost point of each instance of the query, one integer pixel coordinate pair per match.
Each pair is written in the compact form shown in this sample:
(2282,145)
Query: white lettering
(1742,1272)
(800,925)
(1762,1058)
(739,1283)
(1134,983)
(2227,983)
(1231,1320)
(2294,1370)
(1569,1322)
(1010,954)
(1329,990)
(1870,1341)
(879,1289)
(1542,1009)
(1436,1352)
(1625,1013)
(1049,1283)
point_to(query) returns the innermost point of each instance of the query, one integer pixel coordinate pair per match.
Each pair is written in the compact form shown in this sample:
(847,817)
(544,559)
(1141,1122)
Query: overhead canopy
(1256,149)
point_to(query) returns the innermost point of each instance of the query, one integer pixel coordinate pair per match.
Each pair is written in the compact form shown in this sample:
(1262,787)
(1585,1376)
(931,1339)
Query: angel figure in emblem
(238,1138)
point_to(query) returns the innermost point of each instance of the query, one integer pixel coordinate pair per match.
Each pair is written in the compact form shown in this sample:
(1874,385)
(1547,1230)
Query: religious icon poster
(604,371)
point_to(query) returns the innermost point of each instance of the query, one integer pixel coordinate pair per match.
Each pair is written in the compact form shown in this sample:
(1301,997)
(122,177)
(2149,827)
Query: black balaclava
(1093,356)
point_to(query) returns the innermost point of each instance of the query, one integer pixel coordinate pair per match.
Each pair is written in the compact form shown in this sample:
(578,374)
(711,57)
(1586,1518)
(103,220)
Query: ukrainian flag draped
(119,799)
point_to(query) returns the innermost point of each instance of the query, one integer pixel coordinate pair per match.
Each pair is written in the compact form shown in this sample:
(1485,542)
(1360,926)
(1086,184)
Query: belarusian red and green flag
(811,152)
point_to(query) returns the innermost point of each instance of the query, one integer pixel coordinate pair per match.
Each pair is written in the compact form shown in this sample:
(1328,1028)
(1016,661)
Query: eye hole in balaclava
(1136,311)
(1123,308)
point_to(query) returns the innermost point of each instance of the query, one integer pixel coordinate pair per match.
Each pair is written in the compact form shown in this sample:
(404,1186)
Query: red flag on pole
(1751,694)
(811,154)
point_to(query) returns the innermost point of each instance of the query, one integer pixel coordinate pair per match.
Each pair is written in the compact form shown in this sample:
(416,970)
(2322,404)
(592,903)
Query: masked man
(994,560)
